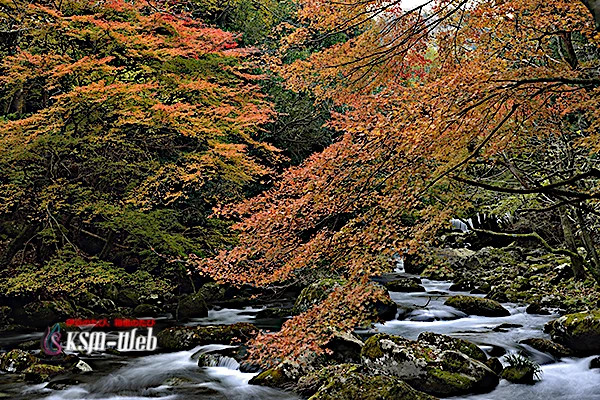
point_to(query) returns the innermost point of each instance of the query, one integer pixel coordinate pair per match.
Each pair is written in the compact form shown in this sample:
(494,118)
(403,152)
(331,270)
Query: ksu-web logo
(89,342)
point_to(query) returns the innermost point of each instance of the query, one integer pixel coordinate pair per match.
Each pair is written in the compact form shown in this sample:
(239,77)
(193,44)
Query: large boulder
(316,292)
(187,337)
(548,346)
(444,342)
(579,332)
(42,314)
(344,347)
(347,382)
(405,285)
(212,292)
(426,368)
(17,361)
(39,373)
(477,306)
(191,306)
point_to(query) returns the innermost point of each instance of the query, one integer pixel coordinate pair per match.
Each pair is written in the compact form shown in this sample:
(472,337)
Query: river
(177,376)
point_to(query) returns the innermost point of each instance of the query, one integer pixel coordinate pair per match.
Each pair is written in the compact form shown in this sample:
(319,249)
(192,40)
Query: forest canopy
(274,144)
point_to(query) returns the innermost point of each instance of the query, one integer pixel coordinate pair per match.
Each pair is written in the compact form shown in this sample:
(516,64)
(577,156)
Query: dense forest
(311,159)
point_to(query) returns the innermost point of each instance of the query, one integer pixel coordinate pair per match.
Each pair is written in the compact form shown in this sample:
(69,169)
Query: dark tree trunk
(567,227)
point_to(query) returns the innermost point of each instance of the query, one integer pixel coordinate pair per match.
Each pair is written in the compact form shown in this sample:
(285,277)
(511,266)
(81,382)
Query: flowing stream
(177,375)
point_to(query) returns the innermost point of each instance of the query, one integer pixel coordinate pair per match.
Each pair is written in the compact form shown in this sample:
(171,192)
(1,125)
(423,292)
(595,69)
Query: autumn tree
(121,125)
(422,95)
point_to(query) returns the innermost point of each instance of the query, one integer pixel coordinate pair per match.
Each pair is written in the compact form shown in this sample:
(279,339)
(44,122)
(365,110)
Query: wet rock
(595,363)
(144,310)
(212,292)
(524,375)
(82,367)
(128,298)
(386,309)
(462,286)
(39,373)
(215,359)
(315,293)
(536,308)
(17,361)
(477,306)
(273,313)
(95,303)
(548,346)
(62,383)
(191,306)
(444,342)
(579,332)
(274,377)
(346,382)
(405,285)
(41,314)
(506,327)
(345,347)
(428,369)
(495,365)
(187,337)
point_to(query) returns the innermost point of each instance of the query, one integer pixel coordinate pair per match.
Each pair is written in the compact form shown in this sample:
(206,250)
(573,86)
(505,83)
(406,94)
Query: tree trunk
(17,243)
(589,245)
(567,227)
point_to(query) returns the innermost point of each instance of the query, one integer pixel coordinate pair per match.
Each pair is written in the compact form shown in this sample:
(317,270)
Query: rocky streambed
(468,345)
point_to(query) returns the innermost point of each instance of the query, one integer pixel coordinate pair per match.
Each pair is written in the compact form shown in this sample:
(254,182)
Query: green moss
(273,377)
(16,361)
(477,306)
(42,372)
(315,293)
(351,385)
(456,380)
(518,375)
(372,350)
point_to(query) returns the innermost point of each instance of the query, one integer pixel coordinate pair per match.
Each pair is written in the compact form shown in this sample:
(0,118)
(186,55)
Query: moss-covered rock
(42,314)
(347,383)
(191,306)
(344,347)
(519,375)
(274,377)
(144,310)
(187,337)
(39,373)
(94,303)
(548,346)
(386,308)
(17,361)
(315,293)
(427,368)
(128,298)
(212,291)
(405,285)
(444,342)
(579,332)
(4,313)
(495,365)
(477,306)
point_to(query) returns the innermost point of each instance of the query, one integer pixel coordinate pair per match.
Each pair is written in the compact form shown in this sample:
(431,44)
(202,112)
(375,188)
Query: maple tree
(424,96)
(122,125)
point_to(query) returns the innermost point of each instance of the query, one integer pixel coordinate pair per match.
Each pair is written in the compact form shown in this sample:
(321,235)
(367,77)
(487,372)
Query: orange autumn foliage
(420,96)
